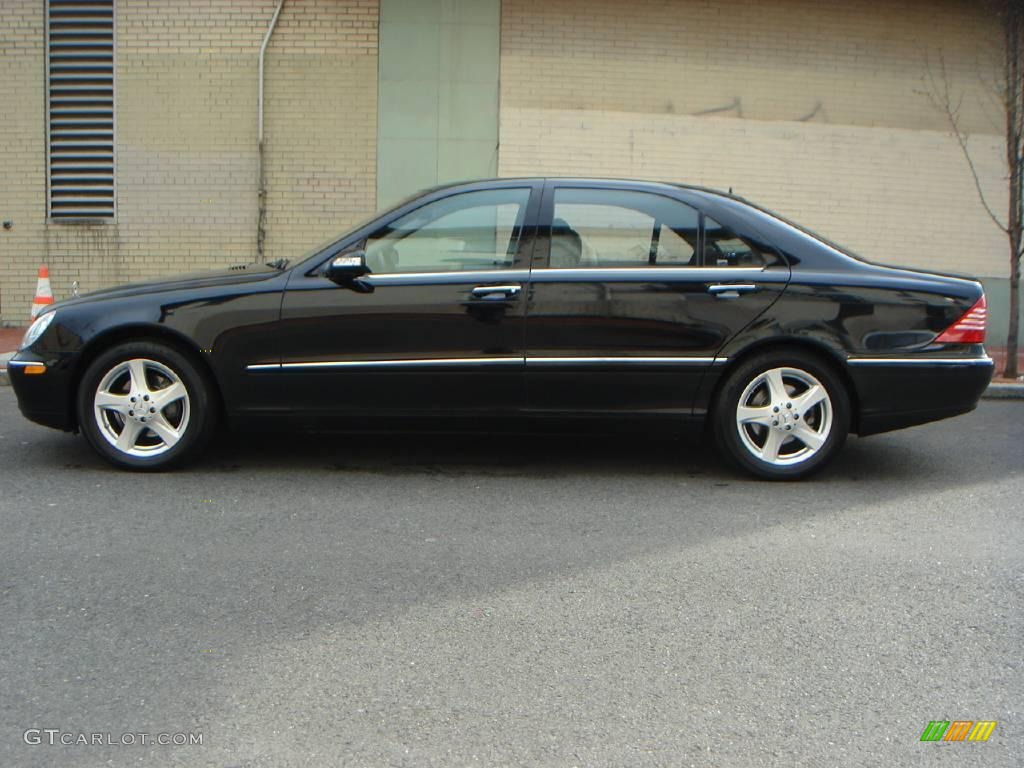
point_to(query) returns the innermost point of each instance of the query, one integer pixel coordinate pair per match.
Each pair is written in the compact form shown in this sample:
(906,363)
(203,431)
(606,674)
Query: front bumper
(48,397)
(894,393)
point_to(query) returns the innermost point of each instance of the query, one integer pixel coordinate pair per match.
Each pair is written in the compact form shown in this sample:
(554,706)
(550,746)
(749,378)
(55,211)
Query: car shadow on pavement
(916,457)
(912,458)
(279,558)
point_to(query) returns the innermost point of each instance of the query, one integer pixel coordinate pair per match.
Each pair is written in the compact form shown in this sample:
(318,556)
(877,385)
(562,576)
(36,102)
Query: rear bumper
(895,393)
(45,398)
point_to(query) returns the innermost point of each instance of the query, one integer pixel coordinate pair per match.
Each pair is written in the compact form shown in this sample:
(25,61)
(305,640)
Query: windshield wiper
(278,263)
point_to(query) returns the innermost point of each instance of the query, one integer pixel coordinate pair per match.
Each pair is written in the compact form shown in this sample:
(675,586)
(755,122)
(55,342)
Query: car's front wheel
(782,414)
(145,405)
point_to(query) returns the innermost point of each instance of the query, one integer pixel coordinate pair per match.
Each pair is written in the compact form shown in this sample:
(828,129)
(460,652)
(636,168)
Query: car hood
(242,273)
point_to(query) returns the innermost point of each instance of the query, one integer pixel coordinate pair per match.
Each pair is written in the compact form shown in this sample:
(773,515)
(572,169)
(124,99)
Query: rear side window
(621,228)
(723,248)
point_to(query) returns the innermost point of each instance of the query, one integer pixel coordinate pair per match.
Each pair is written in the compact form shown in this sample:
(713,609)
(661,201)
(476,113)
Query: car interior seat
(566,245)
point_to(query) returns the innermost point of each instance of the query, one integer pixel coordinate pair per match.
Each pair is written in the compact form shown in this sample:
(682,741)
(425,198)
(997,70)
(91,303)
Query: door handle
(730,290)
(489,291)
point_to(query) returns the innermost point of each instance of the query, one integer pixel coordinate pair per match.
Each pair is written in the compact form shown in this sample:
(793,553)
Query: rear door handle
(492,292)
(730,290)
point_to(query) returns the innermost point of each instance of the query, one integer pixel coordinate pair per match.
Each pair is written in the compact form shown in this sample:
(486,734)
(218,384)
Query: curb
(1004,392)
(4,381)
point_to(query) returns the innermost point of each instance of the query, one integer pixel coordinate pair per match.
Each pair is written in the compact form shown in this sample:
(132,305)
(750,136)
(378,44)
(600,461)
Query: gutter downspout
(261,192)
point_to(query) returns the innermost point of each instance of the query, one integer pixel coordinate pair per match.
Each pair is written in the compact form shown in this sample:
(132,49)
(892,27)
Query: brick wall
(186,140)
(816,108)
(321,122)
(22,180)
(826,119)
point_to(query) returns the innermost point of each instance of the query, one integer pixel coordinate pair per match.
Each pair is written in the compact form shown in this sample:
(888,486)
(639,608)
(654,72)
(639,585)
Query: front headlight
(36,329)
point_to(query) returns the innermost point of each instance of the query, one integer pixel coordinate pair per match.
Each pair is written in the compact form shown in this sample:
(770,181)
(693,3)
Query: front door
(436,326)
(632,294)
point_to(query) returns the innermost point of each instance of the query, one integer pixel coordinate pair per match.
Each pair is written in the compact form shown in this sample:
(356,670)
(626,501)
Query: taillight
(969,329)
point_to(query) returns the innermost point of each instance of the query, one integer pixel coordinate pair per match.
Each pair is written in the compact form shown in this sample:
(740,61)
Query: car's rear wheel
(782,414)
(145,405)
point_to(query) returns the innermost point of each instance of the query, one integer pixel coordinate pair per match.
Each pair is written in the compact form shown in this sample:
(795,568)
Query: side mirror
(347,268)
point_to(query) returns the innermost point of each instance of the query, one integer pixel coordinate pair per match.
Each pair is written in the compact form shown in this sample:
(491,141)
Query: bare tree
(1009,89)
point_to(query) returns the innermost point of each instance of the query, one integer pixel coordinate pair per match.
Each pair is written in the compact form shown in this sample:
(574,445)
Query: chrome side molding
(619,360)
(24,363)
(486,361)
(919,361)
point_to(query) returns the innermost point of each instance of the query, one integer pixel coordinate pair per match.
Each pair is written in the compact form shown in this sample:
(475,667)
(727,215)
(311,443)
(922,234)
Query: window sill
(80,221)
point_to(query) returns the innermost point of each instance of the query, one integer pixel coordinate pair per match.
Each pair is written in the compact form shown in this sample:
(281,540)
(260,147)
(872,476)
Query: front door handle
(492,292)
(730,290)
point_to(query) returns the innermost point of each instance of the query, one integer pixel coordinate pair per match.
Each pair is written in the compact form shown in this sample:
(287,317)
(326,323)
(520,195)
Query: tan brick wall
(22,180)
(321,123)
(597,87)
(874,168)
(186,140)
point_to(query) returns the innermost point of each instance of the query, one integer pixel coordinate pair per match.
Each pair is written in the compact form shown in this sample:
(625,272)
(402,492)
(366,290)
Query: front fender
(223,325)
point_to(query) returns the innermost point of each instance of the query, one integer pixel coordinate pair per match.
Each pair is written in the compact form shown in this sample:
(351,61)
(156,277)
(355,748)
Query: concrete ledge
(1004,392)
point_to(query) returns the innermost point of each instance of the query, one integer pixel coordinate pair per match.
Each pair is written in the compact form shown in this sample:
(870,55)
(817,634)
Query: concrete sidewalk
(10,338)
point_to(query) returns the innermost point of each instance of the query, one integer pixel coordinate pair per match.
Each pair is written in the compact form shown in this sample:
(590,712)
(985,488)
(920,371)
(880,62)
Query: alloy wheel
(141,407)
(784,416)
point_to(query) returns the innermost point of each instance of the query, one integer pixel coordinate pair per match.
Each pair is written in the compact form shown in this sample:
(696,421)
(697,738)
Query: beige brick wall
(321,122)
(598,87)
(22,180)
(874,168)
(186,140)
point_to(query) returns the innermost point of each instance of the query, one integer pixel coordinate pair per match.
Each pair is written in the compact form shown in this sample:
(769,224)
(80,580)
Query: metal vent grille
(80,67)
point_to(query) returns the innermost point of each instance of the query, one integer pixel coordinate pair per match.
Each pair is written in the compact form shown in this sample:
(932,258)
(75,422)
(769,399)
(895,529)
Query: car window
(620,228)
(723,248)
(464,232)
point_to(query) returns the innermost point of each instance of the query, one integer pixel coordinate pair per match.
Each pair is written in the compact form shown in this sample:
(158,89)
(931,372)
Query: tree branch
(961,139)
(941,98)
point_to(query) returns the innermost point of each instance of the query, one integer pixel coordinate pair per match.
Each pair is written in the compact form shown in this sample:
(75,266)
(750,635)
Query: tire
(177,416)
(787,433)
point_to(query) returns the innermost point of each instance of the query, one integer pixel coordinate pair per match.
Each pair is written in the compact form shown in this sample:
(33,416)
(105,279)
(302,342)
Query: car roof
(597,181)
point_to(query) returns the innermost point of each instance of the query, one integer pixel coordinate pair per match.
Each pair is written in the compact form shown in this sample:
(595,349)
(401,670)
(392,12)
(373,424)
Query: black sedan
(523,304)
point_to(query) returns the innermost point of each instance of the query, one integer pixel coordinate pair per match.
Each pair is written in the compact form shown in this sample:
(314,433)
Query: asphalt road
(496,601)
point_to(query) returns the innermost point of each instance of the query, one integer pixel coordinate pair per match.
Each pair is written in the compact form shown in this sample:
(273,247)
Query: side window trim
(652,253)
(701,243)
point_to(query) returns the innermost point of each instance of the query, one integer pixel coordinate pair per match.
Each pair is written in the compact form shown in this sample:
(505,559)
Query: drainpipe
(261,193)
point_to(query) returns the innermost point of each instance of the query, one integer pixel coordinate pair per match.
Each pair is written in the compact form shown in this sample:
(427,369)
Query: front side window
(465,232)
(620,228)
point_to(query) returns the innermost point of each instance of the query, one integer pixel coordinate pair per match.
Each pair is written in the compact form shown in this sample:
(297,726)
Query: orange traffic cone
(44,296)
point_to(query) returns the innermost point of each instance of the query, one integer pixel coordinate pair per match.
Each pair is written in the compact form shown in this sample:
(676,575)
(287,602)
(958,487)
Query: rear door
(436,328)
(633,292)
